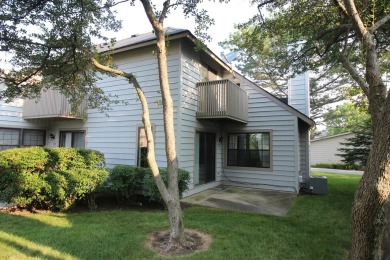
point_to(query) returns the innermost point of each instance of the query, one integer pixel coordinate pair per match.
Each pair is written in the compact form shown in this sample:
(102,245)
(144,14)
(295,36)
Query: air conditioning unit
(318,185)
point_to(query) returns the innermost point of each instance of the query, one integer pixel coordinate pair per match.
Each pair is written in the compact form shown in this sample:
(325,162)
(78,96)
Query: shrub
(151,189)
(51,178)
(93,159)
(338,166)
(22,175)
(124,181)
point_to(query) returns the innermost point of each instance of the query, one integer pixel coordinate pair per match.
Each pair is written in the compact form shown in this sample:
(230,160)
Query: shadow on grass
(85,235)
(316,227)
(28,251)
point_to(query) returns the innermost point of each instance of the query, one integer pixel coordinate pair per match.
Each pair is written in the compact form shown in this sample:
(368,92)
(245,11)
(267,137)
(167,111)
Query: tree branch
(150,13)
(378,24)
(341,6)
(354,74)
(341,27)
(164,11)
(146,120)
(28,10)
(110,70)
(353,15)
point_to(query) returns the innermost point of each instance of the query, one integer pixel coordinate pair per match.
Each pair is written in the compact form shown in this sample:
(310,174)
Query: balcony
(222,99)
(51,105)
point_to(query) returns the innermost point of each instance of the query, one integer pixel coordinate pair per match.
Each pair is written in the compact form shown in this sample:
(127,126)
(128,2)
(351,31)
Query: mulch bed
(197,242)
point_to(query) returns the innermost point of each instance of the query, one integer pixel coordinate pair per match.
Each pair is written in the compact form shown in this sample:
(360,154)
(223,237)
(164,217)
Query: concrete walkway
(337,171)
(244,199)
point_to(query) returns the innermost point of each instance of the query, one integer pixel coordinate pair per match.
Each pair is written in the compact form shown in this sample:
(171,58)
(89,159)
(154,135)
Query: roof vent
(134,35)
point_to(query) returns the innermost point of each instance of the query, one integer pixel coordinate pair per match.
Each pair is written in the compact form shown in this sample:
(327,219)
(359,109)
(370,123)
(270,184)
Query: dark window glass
(249,150)
(74,139)
(34,137)
(9,138)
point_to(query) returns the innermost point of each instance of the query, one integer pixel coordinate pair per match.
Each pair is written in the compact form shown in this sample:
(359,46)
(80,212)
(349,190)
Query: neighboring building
(228,130)
(325,149)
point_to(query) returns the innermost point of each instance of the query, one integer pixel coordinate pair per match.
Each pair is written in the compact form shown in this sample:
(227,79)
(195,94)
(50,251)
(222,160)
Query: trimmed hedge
(49,178)
(338,166)
(125,181)
(151,189)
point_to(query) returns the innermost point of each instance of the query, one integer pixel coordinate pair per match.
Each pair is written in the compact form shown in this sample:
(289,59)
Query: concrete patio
(244,199)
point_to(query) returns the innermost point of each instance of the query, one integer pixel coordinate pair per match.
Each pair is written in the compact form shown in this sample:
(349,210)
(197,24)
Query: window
(207,73)
(142,155)
(9,138)
(13,138)
(249,150)
(34,137)
(74,139)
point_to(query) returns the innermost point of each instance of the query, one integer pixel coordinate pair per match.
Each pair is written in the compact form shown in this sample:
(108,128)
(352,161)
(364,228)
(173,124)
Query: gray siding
(115,134)
(324,150)
(11,116)
(298,93)
(304,159)
(266,115)
(188,123)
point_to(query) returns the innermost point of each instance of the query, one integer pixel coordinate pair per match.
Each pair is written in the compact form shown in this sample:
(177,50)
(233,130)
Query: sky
(134,20)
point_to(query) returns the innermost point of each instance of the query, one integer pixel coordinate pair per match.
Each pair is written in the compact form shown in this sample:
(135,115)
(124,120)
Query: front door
(204,158)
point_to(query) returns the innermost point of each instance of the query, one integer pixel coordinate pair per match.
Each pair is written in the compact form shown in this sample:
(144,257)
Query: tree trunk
(374,188)
(172,200)
(177,236)
(370,198)
(386,232)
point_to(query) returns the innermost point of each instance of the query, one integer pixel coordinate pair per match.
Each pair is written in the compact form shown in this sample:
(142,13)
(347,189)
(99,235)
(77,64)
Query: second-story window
(207,73)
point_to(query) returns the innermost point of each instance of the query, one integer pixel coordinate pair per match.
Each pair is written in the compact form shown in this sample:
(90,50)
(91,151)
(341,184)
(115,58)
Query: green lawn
(316,227)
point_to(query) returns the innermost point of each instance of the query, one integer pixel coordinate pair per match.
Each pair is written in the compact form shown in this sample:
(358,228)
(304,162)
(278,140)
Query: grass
(316,227)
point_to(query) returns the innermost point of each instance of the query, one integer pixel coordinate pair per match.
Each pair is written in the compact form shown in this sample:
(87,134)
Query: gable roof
(147,39)
(279,102)
(139,40)
(332,137)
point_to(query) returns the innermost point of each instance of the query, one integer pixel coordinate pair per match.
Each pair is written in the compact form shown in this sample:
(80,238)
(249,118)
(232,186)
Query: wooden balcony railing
(222,99)
(52,104)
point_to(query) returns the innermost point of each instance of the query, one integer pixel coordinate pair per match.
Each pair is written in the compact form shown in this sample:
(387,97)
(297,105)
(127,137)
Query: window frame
(262,131)
(21,139)
(73,132)
(210,71)
(22,144)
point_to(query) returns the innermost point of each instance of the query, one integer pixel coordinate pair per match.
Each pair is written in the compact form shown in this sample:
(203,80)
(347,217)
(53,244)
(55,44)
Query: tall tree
(356,149)
(353,34)
(266,61)
(345,118)
(52,47)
